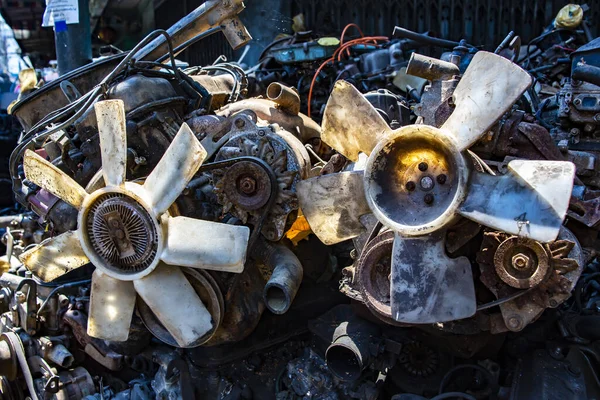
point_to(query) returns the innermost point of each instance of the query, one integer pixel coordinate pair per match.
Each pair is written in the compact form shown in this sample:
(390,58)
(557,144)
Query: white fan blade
(427,286)
(110,115)
(111,307)
(175,303)
(350,123)
(490,86)
(174,170)
(333,204)
(531,200)
(55,257)
(196,243)
(47,176)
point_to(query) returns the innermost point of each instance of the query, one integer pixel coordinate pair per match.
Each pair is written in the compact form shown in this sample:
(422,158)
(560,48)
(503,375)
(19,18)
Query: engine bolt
(514,323)
(240,123)
(520,261)
(410,186)
(428,198)
(426,183)
(423,166)
(442,179)
(247,185)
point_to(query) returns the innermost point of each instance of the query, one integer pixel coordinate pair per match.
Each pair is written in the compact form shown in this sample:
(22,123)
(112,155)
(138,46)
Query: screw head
(428,198)
(240,123)
(423,166)
(514,323)
(441,179)
(410,186)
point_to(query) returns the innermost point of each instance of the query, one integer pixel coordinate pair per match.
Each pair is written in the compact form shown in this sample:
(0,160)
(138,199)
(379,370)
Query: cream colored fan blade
(47,176)
(110,115)
(111,308)
(174,170)
(202,244)
(427,286)
(332,205)
(490,86)
(531,200)
(175,303)
(55,257)
(351,124)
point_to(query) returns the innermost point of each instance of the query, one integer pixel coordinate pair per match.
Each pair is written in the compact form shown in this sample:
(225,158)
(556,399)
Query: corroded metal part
(427,286)
(351,125)
(482,97)
(521,263)
(333,205)
(430,68)
(531,200)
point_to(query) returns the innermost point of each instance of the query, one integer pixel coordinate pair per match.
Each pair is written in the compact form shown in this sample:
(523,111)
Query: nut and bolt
(428,198)
(247,185)
(410,186)
(577,102)
(520,261)
(423,166)
(514,323)
(441,179)
(20,297)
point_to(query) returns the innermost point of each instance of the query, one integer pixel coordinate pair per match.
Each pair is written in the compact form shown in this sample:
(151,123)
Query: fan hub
(414,179)
(119,233)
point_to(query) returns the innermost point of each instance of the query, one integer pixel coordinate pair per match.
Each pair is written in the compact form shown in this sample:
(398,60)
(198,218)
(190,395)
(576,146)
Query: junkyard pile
(349,218)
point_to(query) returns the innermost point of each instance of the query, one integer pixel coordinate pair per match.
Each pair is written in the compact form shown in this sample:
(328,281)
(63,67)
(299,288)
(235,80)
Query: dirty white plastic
(351,124)
(47,176)
(333,204)
(208,245)
(174,170)
(55,257)
(531,200)
(175,303)
(489,87)
(110,115)
(111,307)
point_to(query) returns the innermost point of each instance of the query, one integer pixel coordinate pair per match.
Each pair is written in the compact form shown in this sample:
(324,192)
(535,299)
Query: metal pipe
(209,15)
(282,287)
(587,73)
(285,96)
(349,353)
(424,39)
(431,68)
(58,354)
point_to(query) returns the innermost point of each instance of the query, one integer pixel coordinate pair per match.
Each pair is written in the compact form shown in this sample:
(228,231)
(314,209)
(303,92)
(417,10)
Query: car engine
(194,233)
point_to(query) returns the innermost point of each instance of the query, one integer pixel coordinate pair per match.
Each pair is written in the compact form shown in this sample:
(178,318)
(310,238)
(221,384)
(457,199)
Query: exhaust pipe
(349,353)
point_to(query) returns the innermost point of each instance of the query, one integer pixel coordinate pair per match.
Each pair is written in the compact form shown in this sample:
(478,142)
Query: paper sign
(66,11)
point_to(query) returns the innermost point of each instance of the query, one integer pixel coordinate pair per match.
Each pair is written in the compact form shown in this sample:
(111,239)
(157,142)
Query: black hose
(587,73)
(424,39)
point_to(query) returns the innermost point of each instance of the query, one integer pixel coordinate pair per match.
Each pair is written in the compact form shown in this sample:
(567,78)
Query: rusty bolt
(410,186)
(441,179)
(553,303)
(20,297)
(428,198)
(520,261)
(423,166)
(514,323)
(248,185)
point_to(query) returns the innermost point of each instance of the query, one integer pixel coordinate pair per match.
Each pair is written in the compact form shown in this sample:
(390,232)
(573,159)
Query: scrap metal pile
(426,229)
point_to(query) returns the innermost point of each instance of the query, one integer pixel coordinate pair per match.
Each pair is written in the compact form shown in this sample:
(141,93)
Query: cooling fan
(419,179)
(126,231)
